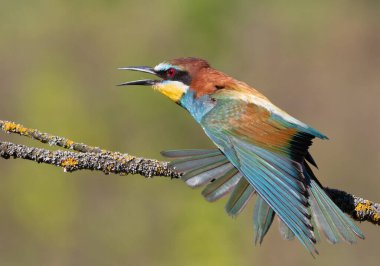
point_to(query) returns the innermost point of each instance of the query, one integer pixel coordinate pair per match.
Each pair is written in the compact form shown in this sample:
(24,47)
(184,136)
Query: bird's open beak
(145,82)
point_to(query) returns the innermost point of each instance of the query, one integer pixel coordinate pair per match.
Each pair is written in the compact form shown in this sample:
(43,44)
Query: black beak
(145,82)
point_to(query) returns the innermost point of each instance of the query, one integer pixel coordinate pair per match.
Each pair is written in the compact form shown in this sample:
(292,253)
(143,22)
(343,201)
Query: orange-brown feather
(209,81)
(255,123)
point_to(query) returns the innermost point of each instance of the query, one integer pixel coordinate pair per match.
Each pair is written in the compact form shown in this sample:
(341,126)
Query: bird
(260,149)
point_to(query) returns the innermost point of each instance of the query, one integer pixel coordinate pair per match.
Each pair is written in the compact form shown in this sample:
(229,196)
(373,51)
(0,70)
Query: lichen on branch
(70,161)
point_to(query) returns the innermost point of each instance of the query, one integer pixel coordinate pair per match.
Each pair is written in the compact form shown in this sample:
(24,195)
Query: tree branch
(107,162)
(84,157)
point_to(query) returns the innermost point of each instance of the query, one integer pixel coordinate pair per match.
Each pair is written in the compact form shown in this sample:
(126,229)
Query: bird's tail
(211,168)
(326,216)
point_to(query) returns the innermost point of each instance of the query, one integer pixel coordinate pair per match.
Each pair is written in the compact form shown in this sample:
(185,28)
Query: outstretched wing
(207,167)
(268,147)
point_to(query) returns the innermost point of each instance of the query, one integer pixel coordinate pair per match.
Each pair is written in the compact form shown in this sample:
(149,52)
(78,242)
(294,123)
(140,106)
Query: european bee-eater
(260,149)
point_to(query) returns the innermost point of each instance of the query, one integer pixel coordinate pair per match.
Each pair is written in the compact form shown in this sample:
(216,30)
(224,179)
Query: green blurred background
(319,60)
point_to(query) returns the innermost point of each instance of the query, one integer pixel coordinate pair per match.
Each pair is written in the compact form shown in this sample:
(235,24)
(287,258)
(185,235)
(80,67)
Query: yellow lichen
(22,130)
(110,167)
(376,217)
(129,157)
(69,143)
(8,126)
(69,162)
(15,128)
(364,206)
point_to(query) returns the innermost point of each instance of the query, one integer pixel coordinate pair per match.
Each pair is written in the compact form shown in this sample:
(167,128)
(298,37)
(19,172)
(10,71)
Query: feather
(328,217)
(201,176)
(263,216)
(186,164)
(221,186)
(202,166)
(285,231)
(239,198)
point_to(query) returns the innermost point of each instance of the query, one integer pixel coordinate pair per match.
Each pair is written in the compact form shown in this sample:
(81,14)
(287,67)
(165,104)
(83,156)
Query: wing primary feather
(263,216)
(201,176)
(285,231)
(282,182)
(239,198)
(276,194)
(287,208)
(274,183)
(221,186)
(186,164)
(305,236)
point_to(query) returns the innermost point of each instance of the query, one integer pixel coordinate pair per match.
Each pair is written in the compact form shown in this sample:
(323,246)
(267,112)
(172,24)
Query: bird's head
(179,76)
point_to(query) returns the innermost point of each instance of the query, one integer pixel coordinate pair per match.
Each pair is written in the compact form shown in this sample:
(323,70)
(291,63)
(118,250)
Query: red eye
(170,72)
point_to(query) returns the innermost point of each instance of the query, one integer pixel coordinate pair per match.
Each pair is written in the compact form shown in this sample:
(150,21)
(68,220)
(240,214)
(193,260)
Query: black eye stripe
(161,73)
(179,75)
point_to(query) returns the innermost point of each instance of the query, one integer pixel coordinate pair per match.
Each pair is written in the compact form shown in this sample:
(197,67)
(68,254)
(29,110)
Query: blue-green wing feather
(263,216)
(286,233)
(239,197)
(222,186)
(273,180)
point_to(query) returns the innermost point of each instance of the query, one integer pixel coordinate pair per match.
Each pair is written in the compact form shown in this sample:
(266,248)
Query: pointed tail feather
(327,217)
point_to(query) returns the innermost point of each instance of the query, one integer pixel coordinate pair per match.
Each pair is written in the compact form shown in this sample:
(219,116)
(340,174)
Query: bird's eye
(170,72)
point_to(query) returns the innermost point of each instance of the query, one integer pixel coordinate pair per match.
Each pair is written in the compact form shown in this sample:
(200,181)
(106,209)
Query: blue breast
(197,107)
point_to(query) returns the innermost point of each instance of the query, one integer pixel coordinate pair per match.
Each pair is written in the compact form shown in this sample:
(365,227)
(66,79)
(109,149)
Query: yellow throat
(172,89)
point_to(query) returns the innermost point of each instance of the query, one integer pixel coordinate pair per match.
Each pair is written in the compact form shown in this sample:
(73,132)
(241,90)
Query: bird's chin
(174,90)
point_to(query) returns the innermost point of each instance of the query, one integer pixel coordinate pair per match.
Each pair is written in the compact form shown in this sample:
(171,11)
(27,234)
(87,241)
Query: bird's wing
(208,167)
(268,148)
(213,169)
